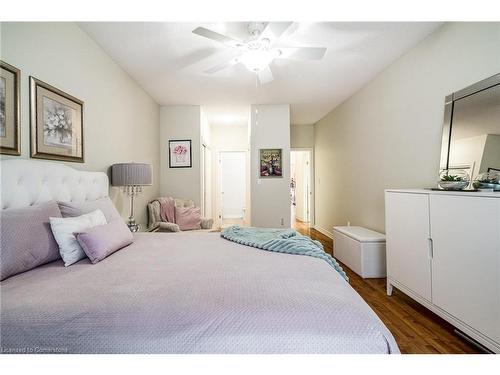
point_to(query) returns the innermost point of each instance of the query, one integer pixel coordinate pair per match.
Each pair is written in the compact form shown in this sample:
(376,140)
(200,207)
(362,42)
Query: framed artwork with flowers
(179,155)
(271,162)
(56,123)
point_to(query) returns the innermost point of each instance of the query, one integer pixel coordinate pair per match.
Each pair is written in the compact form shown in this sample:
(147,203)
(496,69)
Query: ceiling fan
(260,49)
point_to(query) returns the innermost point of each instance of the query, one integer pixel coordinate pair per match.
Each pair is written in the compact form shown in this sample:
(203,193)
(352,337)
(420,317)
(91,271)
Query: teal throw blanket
(282,241)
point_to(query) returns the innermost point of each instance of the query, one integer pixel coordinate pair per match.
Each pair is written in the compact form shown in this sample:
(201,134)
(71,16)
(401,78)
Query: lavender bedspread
(188,293)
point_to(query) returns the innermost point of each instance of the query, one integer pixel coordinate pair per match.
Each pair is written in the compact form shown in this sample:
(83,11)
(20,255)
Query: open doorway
(301,188)
(232,183)
(226,164)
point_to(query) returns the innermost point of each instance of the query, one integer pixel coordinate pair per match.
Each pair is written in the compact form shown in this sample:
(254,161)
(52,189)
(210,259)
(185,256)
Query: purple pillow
(188,218)
(103,240)
(26,240)
(72,209)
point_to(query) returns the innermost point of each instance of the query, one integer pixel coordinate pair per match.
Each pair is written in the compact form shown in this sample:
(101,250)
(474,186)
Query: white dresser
(443,250)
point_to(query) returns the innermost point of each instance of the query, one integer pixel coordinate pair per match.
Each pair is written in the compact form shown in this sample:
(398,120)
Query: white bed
(175,293)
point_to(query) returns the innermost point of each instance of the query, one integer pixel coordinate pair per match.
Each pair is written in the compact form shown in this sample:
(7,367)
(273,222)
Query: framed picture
(271,162)
(179,155)
(56,123)
(10,114)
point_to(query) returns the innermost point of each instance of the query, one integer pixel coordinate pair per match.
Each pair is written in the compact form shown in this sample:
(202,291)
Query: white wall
(270,197)
(121,121)
(205,167)
(228,138)
(181,122)
(388,135)
(302,136)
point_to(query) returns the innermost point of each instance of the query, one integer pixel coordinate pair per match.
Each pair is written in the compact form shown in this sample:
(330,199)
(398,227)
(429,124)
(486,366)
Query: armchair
(154,218)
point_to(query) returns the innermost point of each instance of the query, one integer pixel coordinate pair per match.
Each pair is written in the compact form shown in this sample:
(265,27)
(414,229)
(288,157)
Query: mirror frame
(449,105)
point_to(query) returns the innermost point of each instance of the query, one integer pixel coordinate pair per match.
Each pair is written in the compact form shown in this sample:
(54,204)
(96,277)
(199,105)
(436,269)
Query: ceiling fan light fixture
(257,60)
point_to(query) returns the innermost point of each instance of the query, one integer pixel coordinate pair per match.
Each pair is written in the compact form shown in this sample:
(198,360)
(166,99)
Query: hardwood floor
(416,329)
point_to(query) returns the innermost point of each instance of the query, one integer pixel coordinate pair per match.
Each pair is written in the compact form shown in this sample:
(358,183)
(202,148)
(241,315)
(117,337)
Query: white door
(232,184)
(408,241)
(307,185)
(301,174)
(466,263)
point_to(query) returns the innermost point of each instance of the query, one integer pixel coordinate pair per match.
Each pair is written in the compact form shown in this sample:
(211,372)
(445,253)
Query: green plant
(486,180)
(450,177)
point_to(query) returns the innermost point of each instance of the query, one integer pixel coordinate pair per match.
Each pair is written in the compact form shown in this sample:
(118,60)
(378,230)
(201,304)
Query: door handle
(431,248)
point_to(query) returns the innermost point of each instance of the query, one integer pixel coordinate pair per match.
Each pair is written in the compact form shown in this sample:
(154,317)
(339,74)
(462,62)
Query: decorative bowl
(456,179)
(487,181)
(453,185)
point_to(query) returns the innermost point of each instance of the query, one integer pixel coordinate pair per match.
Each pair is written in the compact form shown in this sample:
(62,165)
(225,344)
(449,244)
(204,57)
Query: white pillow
(63,229)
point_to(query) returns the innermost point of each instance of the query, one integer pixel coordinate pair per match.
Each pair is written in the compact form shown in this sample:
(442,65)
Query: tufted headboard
(27,182)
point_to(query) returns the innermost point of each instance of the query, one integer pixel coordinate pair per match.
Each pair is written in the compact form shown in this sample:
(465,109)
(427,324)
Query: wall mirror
(471,129)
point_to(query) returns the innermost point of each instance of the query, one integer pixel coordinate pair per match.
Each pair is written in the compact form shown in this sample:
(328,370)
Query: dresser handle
(431,248)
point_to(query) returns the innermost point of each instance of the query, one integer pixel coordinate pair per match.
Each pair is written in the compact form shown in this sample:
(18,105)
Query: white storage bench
(360,249)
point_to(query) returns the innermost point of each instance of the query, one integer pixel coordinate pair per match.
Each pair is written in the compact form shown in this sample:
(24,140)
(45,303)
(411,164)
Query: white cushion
(64,229)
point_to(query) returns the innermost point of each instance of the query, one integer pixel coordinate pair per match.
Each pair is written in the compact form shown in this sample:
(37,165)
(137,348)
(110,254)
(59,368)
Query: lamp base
(132,225)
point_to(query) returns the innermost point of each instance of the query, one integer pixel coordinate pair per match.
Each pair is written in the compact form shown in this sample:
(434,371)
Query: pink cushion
(188,218)
(26,240)
(72,209)
(103,240)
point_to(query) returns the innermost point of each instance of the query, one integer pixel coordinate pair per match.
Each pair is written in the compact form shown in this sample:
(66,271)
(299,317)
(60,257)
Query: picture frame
(179,153)
(56,121)
(271,163)
(10,109)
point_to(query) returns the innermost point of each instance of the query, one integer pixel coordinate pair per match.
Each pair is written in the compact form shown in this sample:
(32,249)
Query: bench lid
(361,234)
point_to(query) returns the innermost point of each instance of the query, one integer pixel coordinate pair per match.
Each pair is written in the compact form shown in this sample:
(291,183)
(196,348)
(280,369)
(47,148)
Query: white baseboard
(324,231)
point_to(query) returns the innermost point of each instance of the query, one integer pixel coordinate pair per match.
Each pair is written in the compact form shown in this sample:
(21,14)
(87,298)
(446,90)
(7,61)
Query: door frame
(311,182)
(205,154)
(218,191)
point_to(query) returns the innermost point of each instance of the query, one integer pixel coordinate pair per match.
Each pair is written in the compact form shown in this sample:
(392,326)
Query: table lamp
(132,177)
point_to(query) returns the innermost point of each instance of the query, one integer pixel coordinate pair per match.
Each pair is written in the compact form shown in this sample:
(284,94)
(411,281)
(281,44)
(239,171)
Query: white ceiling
(168,61)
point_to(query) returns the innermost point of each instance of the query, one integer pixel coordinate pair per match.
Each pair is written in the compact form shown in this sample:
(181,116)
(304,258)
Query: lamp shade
(131,174)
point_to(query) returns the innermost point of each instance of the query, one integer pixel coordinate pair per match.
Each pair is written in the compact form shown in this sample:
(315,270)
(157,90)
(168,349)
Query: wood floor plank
(416,329)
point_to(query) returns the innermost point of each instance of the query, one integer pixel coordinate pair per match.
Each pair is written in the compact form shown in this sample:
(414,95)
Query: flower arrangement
(270,163)
(58,123)
(180,150)
(180,153)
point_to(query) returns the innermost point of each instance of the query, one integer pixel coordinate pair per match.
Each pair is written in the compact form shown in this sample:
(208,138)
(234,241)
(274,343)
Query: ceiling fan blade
(202,31)
(291,29)
(302,53)
(274,30)
(216,68)
(265,75)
